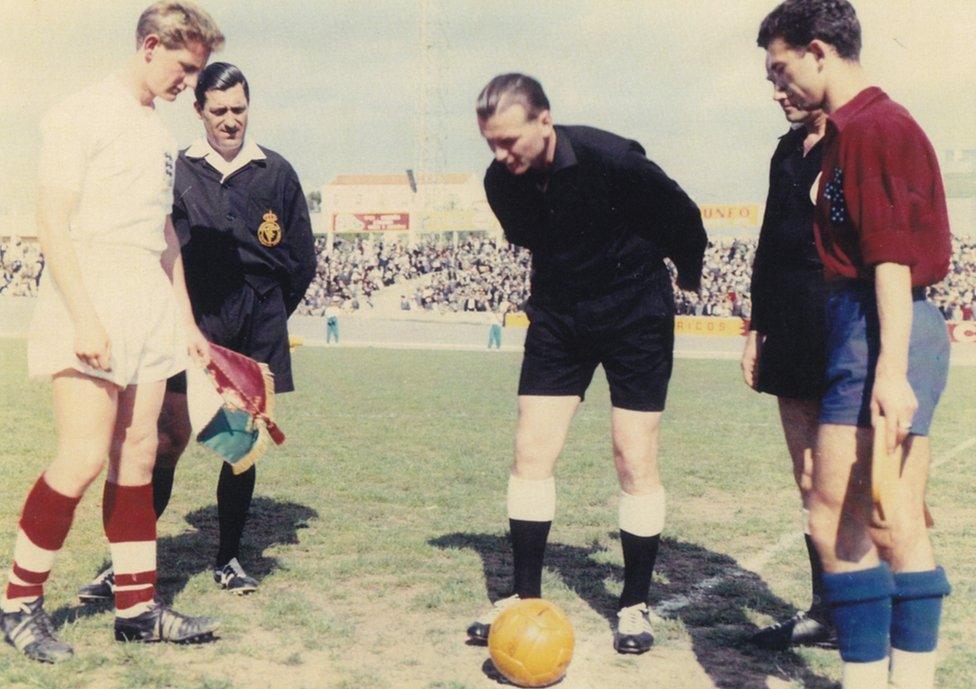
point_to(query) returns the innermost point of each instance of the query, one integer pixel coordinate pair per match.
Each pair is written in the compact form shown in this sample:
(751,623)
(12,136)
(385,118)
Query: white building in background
(959,173)
(405,206)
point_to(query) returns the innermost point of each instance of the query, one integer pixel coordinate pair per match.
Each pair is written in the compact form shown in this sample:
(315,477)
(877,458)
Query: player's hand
(750,359)
(92,345)
(893,405)
(197,346)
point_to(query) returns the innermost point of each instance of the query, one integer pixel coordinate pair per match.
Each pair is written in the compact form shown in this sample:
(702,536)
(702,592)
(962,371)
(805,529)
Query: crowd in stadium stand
(725,282)
(956,294)
(482,274)
(22,263)
(478,274)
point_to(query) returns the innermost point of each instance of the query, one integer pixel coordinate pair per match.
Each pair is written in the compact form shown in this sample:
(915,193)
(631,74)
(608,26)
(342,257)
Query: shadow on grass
(181,557)
(707,591)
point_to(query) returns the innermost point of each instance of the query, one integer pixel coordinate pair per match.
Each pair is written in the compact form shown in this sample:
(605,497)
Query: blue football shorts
(853,343)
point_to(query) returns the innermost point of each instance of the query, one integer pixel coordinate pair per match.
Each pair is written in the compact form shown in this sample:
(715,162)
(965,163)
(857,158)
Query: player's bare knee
(905,531)
(76,469)
(639,484)
(137,450)
(637,471)
(86,470)
(534,452)
(532,469)
(533,466)
(635,450)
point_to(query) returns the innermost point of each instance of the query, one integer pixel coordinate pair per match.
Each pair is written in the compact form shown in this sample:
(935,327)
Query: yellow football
(531,643)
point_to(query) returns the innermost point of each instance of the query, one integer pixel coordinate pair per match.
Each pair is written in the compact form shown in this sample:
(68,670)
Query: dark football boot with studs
(162,623)
(810,628)
(102,587)
(478,630)
(31,632)
(233,578)
(634,634)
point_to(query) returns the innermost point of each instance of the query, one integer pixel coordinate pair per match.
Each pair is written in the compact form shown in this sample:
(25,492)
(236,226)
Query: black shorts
(253,324)
(793,360)
(631,333)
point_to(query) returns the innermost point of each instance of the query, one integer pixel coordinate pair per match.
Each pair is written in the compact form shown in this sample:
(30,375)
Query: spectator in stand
(21,265)
(495,276)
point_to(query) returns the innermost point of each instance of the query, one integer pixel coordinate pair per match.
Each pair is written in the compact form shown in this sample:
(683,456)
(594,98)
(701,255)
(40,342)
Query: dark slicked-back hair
(219,76)
(508,89)
(798,22)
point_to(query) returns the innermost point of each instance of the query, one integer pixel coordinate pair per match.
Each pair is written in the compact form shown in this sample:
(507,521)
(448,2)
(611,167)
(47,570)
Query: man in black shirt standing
(249,255)
(785,349)
(599,219)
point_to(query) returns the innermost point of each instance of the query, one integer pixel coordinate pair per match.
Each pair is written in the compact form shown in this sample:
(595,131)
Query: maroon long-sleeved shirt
(881,197)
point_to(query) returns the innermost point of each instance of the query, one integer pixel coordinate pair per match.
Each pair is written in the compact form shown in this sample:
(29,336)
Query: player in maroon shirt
(882,231)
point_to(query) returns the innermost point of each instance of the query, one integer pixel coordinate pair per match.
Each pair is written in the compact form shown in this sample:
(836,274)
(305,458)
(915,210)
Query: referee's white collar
(201,148)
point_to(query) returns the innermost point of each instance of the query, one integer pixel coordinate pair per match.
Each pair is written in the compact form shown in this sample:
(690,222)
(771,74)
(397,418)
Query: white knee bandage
(642,515)
(866,675)
(531,500)
(912,670)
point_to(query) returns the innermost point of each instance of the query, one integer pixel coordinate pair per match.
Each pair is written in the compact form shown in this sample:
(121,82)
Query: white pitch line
(951,454)
(700,589)
(759,561)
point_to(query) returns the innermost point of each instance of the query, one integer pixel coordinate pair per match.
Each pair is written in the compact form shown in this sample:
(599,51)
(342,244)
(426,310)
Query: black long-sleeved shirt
(600,219)
(218,227)
(786,243)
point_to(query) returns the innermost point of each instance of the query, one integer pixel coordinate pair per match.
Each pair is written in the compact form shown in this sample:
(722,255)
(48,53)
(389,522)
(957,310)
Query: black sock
(234,493)
(162,481)
(817,605)
(640,552)
(528,549)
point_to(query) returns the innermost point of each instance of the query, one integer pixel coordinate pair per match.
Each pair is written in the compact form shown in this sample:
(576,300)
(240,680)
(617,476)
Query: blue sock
(916,610)
(860,603)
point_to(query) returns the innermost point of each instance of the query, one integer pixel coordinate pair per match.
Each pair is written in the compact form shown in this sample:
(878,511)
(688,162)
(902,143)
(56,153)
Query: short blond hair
(178,24)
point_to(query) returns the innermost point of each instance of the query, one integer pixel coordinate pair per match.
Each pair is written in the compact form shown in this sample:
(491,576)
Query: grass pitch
(378,532)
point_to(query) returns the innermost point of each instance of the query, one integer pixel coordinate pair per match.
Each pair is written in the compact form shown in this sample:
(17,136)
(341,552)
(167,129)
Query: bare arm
(172,261)
(892,397)
(54,209)
(750,358)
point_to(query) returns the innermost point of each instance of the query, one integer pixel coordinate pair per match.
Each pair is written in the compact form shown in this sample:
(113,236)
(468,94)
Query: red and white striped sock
(44,524)
(130,524)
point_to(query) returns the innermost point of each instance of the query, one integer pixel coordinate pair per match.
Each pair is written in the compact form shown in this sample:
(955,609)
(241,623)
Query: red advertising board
(370,222)
(962,331)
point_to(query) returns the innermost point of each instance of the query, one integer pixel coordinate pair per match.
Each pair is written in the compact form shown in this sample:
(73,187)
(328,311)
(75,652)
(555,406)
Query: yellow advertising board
(726,215)
(710,325)
(683,325)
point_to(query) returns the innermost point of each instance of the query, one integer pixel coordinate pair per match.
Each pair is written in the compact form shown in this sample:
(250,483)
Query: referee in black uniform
(249,256)
(599,219)
(785,349)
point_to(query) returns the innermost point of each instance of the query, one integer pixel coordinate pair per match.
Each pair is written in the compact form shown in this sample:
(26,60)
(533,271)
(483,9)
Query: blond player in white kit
(112,323)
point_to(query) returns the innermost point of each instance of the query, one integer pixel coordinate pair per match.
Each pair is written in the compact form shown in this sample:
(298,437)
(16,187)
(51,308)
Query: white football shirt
(117,155)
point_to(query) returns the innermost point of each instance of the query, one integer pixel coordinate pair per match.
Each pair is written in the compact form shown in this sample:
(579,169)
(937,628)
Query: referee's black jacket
(218,225)
(786,256)
(601,219)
